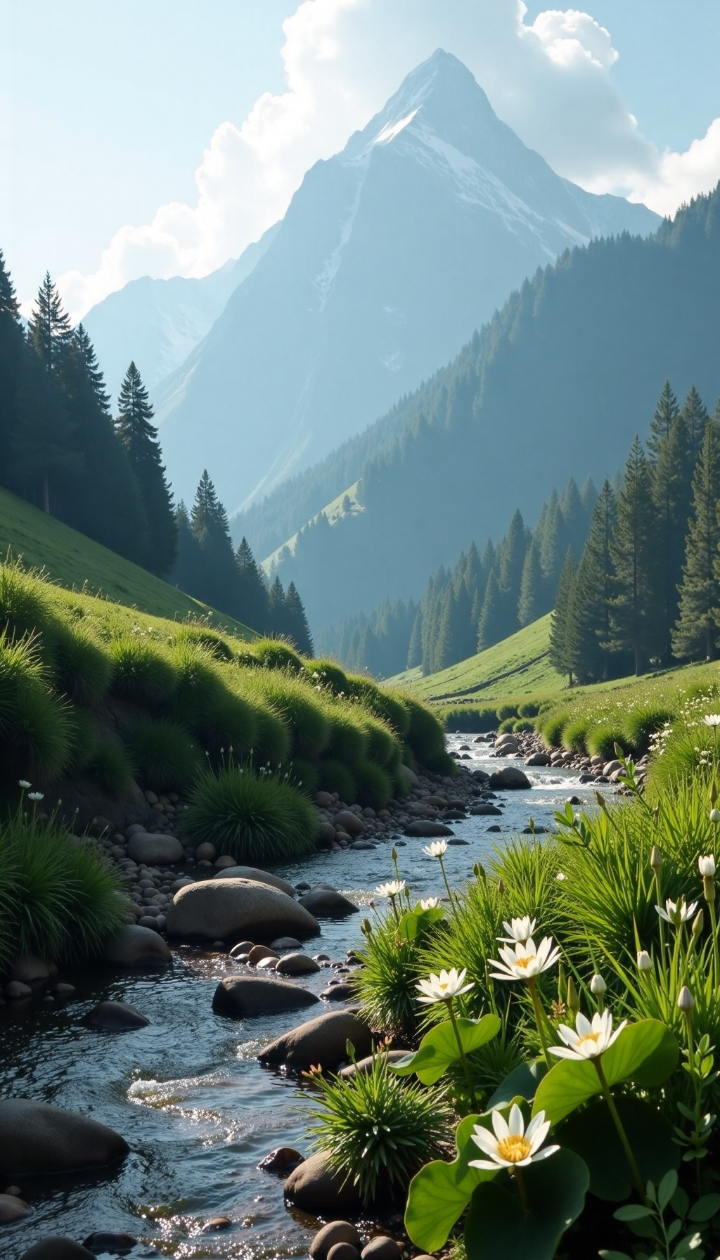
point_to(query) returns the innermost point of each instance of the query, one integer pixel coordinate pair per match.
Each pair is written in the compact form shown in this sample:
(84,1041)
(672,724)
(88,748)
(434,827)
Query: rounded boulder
(238,996)
(331,1234)
(12,1209)
(381,1248)
(37,1138)
(349,822)
(155,849)
(427,827)
(57,1248)
(510,777)
(256,876)
(222,908)
(115,1017)
(322,1040)
(136,946)
(296,965)
(327,903)
(312,1187)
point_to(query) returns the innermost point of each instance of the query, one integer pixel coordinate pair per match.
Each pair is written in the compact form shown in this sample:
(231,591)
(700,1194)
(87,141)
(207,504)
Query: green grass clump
(552,728)
(386,984)
(574,735)
(275,654)
(390,706)
(507,724)
(301,708)
(601,740)
(272,738)
(522,724)
(198,688)
(442,763)
(641,724)
(528,710)
(81,669)
(425,735)
(36,734)
(210,641)
(255,818)
(329,675)
(164,756)
(333,776)
(348,740)
(373,785)
(378,1130)
(25,606)
(304,775)
(505,711)
(473,721)
(229,728)
(83,738)
(382,747)
(142,672)
(110,767)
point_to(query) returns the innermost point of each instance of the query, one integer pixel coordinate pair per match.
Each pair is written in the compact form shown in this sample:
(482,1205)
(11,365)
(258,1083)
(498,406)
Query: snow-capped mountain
(158,322)
(390,255)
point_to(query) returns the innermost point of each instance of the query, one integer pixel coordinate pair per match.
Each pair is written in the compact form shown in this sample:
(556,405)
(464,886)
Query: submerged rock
(136,946)
(254,995)
(36,1137)
(327,903)
(322,1040)
(427,827)
(312,1187)
(57,1248)
(12,1208)
(509,777)
(115,1017)
(228,907)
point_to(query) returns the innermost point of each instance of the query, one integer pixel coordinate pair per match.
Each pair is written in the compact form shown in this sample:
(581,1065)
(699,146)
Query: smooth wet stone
(312,1187)
(260,952)
(339,992)
(12,1209)
(267,964)
(155,849)
(365,1065)
(296,965)
(282,1160)
(485,808)
(230,907)
(256,876)
(136,946)
(381,1248)
(56,1247)
(115,1017)
(16,990)
(330,1235)
(106,1240)
(285,942)
(243,947)
(238,996)
(427,827)
(36,1137)
(28,969)
(343,1251)
(215,1223)
(63,990)
(457,840)
(510,777)
(327,903)
(349,822)
(322,1041)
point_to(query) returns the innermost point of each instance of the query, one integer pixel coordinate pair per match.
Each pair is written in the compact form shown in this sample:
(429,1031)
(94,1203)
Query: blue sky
(161,137)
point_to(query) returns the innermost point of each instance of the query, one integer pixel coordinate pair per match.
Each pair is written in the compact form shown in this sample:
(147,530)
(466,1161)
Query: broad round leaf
(592,1135)
(416,921)
(440,1192)
(439,1048)
(521,1082)
(499,1228)
(646,1052)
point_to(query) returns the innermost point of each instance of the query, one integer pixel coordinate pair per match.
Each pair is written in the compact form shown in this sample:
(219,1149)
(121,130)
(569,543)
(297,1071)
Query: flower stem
(465,1063)
(453,902)
(658,893)
(620,1129)
(716,946)
(395,909)
(697,1090)
(519,1178)
(539,1019)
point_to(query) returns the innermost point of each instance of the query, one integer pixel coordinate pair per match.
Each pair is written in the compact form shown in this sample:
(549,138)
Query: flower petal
(500,1125)
(516,1124)
(485,1140)
(487,1164)
(544,1153)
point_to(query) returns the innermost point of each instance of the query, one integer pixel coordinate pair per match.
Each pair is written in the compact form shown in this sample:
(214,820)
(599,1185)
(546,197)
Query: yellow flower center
(525,962)
(443,987)
(514,1148)
(592,1036)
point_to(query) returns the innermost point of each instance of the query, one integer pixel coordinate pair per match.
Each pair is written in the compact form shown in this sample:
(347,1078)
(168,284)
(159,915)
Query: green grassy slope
(517,667)
(77,562)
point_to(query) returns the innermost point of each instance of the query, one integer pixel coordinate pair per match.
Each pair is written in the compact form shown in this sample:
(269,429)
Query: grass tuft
(333,776)
(110,767)
(373,785)
(256,818)
(141,671)
(81,669)
(164,756)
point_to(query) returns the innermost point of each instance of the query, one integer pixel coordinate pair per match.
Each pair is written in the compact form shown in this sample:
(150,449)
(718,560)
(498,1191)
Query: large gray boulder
(312,1187)
(12,1208)
(322,1041)
(115,1017)
(154,849)
(36,1137)
(427,827)
(255,995)
(327,903)
(297,964)
(509,777)
(136,946)
(257,877)
(222,908)
(57,1248)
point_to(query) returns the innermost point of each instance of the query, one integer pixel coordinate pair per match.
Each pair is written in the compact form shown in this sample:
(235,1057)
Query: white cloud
(550,80)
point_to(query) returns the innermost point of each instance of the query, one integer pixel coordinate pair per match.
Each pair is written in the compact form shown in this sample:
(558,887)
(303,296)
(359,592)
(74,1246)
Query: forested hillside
(555,386)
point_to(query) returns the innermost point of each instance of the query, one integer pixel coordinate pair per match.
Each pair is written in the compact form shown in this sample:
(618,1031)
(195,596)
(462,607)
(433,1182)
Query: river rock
(225,861)
(320,1041)
(427,827)
(506,744)
(296,965)
(254,995)
(325,800)
(12,1209)
(330,1235)
(312,1187)
(28,969)
(229,907)
(365,1065)
(409,776)
(538,759)
(381,1248)
(343,1251)
(509,777)
(327,903)
(57,1248)
(107,1240)
(16,990)
(282,1160)
(205,852)
(155,849)
(611,766)
(36,1137)
(349,822)
(341,992)
(485,808)
(115,1016)
(285,942)
(326,833)
(136,946)
(259,953)
(256,876)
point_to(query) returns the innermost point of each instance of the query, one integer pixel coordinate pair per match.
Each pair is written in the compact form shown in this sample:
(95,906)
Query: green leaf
(439,1048)
(521,1082)
(705,1208)
(441,1191)
(646,1053)
(592,1135)
(632,1212)
(667,1188)
(680,1202)
(498,1226)
(415,922)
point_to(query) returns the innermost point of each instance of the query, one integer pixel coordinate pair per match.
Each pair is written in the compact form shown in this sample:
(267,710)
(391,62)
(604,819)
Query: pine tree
(252,589)
(414,656)
(49,327)
(635,621)
(696,632)
(666,413)
(589,617)
(493,618)
(561,654)
(84,347)
(696,417)
(574,519)
(672,496)
(532,588)
(447,651)
(12,351)
(139,437)
(277,623)
(187,570)
(296,621)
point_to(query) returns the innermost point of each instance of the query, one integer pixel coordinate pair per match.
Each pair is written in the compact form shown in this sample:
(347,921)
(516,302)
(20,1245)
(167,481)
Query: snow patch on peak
(390,131)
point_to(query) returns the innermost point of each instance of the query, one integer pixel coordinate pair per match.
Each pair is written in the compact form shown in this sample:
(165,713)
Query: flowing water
(187,1093)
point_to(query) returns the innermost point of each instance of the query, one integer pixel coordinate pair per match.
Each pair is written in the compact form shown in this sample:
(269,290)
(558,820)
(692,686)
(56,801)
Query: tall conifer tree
(253,591)
(696,632)
(666,413)
(493,618)
(561,648)
(139,437)
(296,621)
(49,327)
(589,617)
(635,621)
(696,417)
(532,588)
(672,496)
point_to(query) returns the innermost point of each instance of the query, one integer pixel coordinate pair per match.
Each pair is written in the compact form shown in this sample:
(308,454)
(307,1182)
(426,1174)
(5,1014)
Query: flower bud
(573,1001)
(685,1001)
(600,799)
(366,927)
(393,854)
(597,985)
(501,887)
(656,858)
(479,871)
(715,815)
(706,865)
(644,961)
(713,793)
(697,926)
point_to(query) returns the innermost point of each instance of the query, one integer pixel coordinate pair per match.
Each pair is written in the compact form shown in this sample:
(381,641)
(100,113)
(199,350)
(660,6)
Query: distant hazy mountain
(158,322)
(557,385)
(390,255)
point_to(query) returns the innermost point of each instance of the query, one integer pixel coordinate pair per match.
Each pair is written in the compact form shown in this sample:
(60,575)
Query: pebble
(216,1222)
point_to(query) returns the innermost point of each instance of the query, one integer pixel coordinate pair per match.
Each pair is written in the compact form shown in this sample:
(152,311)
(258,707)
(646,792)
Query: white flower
(587,1040)
(518,929)
(35,796)
(525,961)
(685,1001)
(715,815)
(393,888)
(712,719)
(676,912)
(597,985)
(706,865)
(437,849)
(23,783)
(430,903)
(561,875)
(448,984)
(644,961)
(511,1146)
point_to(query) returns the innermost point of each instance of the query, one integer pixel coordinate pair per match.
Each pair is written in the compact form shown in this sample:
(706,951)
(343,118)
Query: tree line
(486,597)
(646,590)
(63,451)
